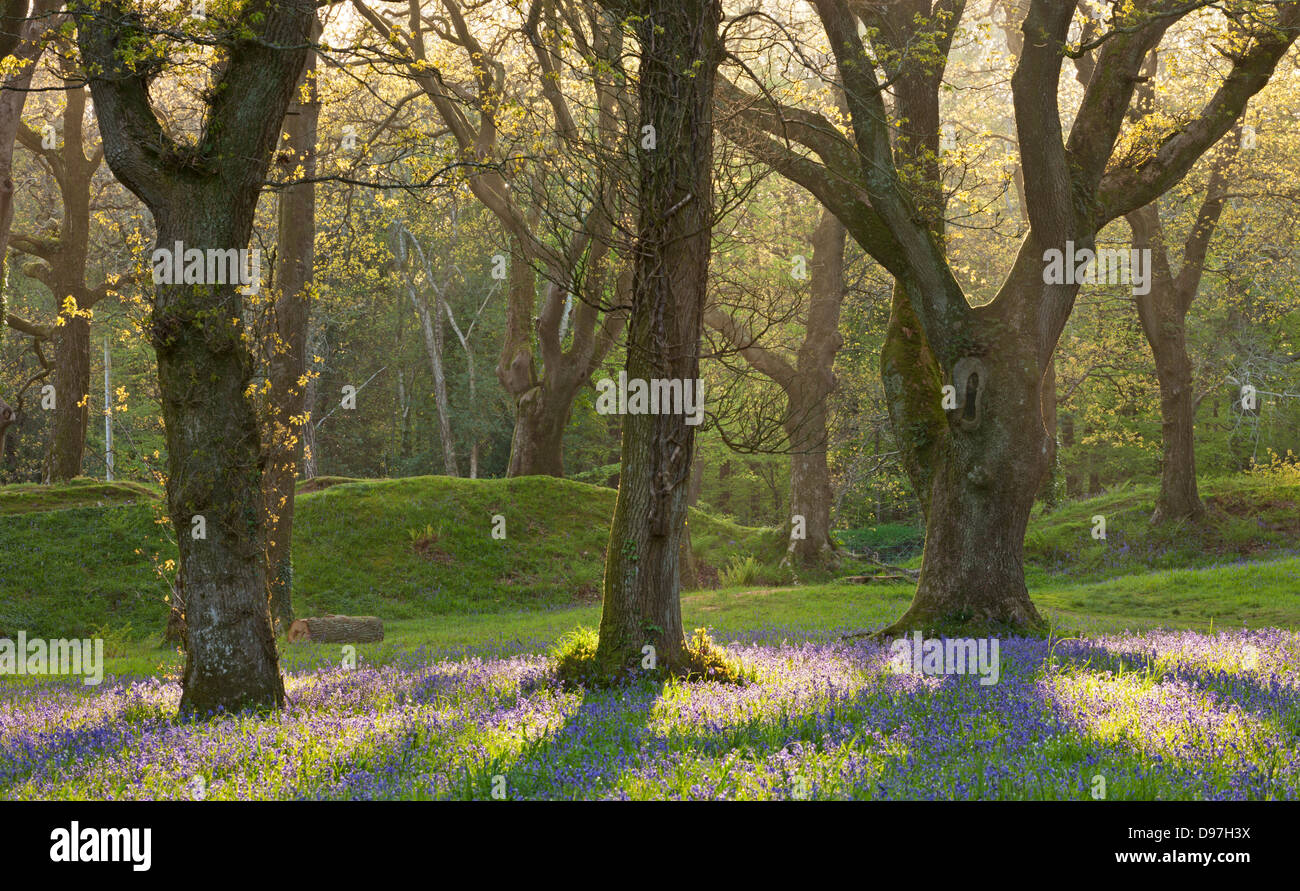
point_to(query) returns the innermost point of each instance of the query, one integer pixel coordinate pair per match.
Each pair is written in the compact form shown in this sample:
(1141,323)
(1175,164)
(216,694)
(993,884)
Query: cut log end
(337,629)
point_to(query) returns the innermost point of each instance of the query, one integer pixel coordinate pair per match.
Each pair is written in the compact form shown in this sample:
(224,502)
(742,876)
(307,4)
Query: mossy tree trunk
(204,196)
(680,53)
(971,475)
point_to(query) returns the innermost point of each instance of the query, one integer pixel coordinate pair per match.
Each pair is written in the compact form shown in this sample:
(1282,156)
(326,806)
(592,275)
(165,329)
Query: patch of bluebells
(1159,715)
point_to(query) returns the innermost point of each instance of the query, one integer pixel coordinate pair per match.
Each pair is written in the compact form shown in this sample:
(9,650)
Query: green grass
(811,720)
(1252,595)
(1249,517)
(20,498)
(93,557)
(88,556)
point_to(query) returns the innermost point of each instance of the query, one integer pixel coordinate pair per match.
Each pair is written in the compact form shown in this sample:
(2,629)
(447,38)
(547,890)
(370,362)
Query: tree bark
(71,400)
(22,35)
(337,629)
(987,467)
(1179,498)
(537,444)
(680,53)
(1163,312)
(287,363)
(808,411)
(204,196)
(60,264)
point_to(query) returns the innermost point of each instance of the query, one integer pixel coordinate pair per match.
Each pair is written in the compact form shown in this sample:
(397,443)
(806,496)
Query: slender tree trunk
(680,53)
(71,400)
(1179,498)
(295,259)
(433,344)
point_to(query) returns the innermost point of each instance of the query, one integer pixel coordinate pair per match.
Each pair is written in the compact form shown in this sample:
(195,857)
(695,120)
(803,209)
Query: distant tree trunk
(21,36)
(808,383)
(544,403)
(1163,311)
(60,265)
(431,328)
(409,251)
(71,401)
(811,494)
(572,257)
(537,445)
(808,428)
(471,371)
(204,197)
(1164,322)
(295,259)
(679,58)
(1178,497)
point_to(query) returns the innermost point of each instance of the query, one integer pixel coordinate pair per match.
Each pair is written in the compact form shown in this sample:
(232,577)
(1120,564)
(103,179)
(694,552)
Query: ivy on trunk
(203,195)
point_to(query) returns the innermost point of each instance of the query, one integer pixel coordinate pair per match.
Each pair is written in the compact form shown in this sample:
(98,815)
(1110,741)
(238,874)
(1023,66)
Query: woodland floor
(1166,682)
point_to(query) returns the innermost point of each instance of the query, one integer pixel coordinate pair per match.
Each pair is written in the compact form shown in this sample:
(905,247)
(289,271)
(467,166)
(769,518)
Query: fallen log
(337,629)
(876,561)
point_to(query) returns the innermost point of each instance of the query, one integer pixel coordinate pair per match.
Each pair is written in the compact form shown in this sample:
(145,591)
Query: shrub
(740,571)
(703,660)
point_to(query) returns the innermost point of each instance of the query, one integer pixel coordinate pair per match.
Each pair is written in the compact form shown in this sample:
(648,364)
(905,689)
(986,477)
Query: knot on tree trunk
(970,378)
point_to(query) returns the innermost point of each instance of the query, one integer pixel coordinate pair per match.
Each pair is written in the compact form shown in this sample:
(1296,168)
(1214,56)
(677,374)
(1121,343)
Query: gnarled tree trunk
(204,197)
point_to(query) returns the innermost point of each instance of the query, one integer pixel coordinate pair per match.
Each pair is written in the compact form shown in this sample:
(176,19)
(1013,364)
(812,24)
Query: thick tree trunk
(986,473)
(205,198)
(1179,498)
(811,494)
(912,381)
(214,464)
(537,449)
(295,259)
(71,400)
(678,65)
